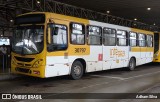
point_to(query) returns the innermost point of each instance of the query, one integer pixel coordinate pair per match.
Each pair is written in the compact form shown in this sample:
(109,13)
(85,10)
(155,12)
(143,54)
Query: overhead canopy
(125,9)
(128,9)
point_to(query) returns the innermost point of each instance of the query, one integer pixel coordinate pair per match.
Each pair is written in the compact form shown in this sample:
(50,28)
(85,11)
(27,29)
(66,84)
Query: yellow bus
(48,45)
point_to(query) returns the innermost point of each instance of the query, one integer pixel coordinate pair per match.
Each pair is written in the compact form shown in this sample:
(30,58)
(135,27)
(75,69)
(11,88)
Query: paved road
(144,79)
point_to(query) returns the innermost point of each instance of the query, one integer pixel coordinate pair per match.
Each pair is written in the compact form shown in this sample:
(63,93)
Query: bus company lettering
(116,52)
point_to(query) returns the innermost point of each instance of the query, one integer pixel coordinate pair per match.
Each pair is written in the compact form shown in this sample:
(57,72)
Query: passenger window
(94,36)
(121,38)
(77,33)
(109,36)
(149,40)
(133,39)
(142,40)
(58,37)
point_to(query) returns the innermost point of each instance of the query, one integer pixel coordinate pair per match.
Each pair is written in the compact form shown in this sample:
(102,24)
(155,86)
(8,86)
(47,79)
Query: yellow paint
(135,49)
(150,49)
(62,19)
(117,61)
(14,64)
(142,49)
(59,19)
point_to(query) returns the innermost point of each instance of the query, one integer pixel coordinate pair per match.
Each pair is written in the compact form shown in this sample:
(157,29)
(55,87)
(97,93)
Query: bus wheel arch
(78,68)
(132,63)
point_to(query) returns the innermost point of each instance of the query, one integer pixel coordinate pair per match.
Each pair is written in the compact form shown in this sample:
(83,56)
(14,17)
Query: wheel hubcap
(77,70)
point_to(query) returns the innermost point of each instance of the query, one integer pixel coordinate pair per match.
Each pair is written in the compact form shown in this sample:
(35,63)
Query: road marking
(67,91)
(141,75)
(119,78)
(86,87)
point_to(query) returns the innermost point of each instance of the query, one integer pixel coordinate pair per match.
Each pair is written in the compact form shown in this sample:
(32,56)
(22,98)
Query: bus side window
(58,37)
(150,40)
(94,35)
(77,33)
(121,38)
(109,36)
(133,38)
(142,40)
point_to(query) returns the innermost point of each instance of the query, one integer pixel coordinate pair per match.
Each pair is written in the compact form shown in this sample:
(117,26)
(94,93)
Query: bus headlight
(155,55)
(37,63)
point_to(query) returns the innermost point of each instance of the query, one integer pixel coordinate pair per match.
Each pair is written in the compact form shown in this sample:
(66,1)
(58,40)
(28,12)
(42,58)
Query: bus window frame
(152,40)
(143,40)
(48,45)
(115,36)
(127,43)
(70,32)
(87,35)
(130,39)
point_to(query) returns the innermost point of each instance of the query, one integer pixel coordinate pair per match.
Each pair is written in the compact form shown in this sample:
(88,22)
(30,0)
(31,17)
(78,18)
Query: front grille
(23,70)
(24,59)
(28,65)
(22,64)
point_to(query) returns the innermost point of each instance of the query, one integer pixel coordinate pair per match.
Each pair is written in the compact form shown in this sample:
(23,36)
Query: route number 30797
(80,50)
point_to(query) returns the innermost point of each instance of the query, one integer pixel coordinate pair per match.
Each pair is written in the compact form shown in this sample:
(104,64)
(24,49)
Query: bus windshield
(28,39)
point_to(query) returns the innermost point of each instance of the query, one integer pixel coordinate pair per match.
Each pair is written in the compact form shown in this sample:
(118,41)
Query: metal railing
(22,6)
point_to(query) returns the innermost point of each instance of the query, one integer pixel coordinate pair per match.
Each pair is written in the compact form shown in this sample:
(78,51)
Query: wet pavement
(144,79)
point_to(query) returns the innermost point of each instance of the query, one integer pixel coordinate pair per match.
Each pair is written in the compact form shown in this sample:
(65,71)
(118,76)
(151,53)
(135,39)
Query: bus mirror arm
(49,35)
(50,47)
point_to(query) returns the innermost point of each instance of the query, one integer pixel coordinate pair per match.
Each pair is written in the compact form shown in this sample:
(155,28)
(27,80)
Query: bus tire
(77,70)
(132,64)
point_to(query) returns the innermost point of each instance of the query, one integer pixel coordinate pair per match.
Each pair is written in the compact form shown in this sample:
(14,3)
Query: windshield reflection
(28,39)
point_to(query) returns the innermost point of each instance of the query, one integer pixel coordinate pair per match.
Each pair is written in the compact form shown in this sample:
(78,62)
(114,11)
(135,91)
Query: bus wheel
(77,70)
(132,64)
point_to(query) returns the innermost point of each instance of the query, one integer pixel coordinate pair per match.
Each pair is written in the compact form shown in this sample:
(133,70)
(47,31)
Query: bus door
(94,61)
(109,46)
(57,55)
(122,49)
(134,47)
(142,45)
(150,50)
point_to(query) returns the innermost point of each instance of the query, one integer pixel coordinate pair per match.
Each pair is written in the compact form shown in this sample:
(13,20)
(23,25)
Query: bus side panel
(149,54)
(112,55)
(94,60)
(122,56)
(135,52)
(143,54)
(108,58)
(56,66)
